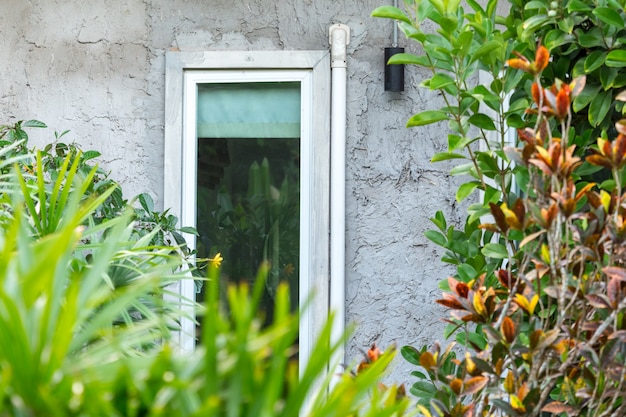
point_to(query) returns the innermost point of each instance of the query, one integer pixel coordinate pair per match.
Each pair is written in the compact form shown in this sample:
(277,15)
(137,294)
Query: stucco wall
(97,68)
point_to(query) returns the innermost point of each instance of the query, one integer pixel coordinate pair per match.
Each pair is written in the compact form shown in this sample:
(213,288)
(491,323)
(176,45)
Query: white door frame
(184,70)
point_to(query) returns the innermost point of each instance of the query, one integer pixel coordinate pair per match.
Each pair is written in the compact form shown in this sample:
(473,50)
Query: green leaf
(465,190)
(599,107)
(462,169)
(482,121)
(616,58)
(495,250)
(515,120)
(190,230)
(390,12)
(578,6)
(554,38)
(440,81)
(487,48)
(591,38)
(146,202)
(90,155)
(435,237)
(608,76)
(466,272)
(534,22)
(411,355)
(535,5)
(426,117)
(33,123)
(584,98)
(609,16)
(410,59)
(594,61)
(445,156)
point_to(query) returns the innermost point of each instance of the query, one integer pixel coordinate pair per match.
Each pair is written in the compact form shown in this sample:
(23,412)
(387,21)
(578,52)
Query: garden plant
(86,315)
(536,300)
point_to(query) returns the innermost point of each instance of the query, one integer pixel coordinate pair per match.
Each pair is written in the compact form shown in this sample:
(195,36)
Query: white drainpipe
(339,38)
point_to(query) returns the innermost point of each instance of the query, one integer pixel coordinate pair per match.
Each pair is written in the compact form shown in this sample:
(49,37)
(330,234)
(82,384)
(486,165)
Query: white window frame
(184,71)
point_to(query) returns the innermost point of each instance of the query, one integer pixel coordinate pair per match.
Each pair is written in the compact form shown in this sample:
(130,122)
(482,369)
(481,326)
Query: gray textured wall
(97,68)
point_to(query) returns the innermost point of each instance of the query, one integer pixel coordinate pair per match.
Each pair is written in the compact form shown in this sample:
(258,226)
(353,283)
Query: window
(248,132)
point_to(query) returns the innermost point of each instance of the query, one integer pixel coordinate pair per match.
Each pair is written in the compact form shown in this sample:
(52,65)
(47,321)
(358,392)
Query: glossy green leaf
(578,6)
(534,22)
(465,190)
(33,123)
(555,38)
(410,59)
(440,81)
(435,237)
(495,250)
(585,97)
(594,61)
(390,12)
(87,155)
(482,121)
(608,77)
(488,47)
(592,38)
(535,5)
(616,58)
(609,16)
(445,156)
(599,107)
(462,169)
(146,202)
(411,355)
(426,117)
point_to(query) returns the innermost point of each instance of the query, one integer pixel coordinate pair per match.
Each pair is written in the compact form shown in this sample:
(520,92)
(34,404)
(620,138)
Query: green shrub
(85,326)
(536,299)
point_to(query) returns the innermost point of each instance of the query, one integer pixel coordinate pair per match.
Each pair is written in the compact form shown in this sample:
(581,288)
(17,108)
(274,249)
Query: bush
(86,327)
(536,300)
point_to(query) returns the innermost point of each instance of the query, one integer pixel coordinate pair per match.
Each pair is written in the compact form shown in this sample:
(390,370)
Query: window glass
(248,182)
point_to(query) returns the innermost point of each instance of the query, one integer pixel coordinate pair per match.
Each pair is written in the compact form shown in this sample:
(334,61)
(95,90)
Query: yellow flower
(216,261)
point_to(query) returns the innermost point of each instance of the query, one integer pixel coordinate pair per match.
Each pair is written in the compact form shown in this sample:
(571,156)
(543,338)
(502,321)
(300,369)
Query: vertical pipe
(339,38)
(395,28)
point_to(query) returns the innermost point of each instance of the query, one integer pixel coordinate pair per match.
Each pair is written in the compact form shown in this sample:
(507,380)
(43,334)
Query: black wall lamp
(394,74)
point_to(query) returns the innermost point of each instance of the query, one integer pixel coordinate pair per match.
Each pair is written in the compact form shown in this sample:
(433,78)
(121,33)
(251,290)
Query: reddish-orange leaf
(451,302)
(475,384)
(508,329)
(599,160)
(556,407)
(537,94)
(505,278)
(462,289)
(615,272)
(528,152)
(527,135)
(520,210)
(520,64)
(542,57)
(535,337)
(619,150)
(498,215)
(456,385)
(613,290)
(373,353)
(597,301)
(427,360)
(583,191)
